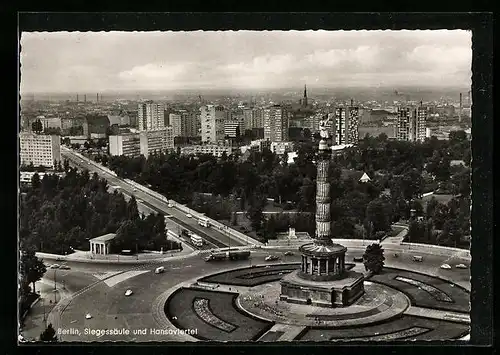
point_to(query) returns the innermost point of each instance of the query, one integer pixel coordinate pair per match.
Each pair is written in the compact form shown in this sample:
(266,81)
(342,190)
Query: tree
(49,334)
(431,207)
(37,126)
(32,268)
(35,181)
(132,211)
(379,212)
(374,258)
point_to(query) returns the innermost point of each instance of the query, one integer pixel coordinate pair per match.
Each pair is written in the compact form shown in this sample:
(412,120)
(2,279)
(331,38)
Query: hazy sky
(107,61)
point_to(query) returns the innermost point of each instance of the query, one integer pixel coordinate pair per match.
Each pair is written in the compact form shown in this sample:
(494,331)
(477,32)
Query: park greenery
(60,214)
(401,172)
(373,258)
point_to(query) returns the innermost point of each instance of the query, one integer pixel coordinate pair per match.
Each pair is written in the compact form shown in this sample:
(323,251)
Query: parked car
(358,259)
(128,292)
(418,258)
(461,266)
(64,267)
(55,266)
(189,215)
(135,190)
(288,253)
(272,258)
(170,205)
(88,316)
(159,270)
(445,267)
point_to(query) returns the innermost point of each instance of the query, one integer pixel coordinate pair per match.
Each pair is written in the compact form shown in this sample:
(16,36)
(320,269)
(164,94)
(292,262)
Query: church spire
(304,101)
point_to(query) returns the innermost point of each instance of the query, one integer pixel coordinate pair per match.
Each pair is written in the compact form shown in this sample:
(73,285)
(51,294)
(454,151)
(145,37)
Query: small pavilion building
(100,245)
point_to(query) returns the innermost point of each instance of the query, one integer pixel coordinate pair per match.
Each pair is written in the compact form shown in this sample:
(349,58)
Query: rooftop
(104,238)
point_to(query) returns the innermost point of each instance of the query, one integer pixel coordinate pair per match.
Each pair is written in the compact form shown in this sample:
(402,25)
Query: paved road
(111,309)
(215,237)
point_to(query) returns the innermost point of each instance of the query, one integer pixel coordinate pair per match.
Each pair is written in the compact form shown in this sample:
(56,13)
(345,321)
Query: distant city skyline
(103,62)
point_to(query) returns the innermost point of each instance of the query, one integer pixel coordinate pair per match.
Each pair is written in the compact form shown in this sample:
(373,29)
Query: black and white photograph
(245,186)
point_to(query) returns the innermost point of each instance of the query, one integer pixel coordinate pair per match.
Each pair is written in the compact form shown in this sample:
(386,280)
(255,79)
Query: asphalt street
(110,308)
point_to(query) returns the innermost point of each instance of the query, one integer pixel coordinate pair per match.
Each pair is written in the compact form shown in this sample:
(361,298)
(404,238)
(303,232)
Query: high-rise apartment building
(247,119)
(404,123)
(39,149)
(212,123)
(421,123)
(150,116)
(340,126)
(276,124)
(178,124)
(257,118)
(412,123)
(352,136)
(156,141)
(230,128)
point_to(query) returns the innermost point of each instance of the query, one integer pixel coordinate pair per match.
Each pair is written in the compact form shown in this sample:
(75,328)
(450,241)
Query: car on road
(135,190)
(418,258)
(189,215)
(64,267)
(81,161)
(461,266)
(55,266)
(445,267)
(170,205)
(288,253)
(159,270)
(272,258)
(358,259)
(88,316)
(128,292)
(139,201)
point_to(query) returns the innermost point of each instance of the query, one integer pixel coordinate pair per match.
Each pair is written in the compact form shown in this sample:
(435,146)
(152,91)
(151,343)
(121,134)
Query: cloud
(74,61)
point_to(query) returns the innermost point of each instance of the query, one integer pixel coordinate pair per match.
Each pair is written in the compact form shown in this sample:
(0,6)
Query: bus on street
(197,240)
(203,221)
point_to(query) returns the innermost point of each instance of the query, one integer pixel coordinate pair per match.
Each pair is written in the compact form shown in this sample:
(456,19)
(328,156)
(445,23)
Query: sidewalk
(85,256)
(37,318)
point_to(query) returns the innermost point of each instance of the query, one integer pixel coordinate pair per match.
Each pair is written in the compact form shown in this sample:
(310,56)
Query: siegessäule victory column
(322,279)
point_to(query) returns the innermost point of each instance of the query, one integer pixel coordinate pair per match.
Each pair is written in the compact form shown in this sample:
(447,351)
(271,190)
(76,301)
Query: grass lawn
(179,309)
(395,230)
(422,298)
(252,276)
(424,329)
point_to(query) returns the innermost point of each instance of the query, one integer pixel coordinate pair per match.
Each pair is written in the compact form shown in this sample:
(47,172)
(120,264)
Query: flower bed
(434,292)
(202,309)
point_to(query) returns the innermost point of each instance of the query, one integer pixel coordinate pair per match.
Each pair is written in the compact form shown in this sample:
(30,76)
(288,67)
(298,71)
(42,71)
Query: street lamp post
(55,285)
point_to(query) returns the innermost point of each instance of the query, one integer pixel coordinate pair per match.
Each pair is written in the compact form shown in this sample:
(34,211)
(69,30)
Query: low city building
(280,148)
(213,149)
(26,176)
(160,140)
(125,144)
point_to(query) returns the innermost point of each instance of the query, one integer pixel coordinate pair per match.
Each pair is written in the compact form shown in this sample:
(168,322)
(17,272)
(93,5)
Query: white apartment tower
(150,116)
(340,126)
(39,149)
(421,123)
(275,124)
(212,123)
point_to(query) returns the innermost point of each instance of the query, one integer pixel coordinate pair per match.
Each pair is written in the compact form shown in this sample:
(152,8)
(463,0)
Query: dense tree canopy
(401,172)
(58,214)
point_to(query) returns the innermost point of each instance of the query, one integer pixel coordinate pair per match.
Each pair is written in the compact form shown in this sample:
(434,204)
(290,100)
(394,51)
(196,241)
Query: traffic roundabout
(239,301)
